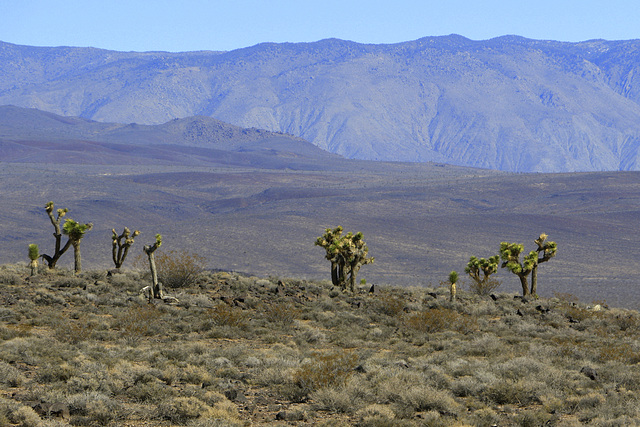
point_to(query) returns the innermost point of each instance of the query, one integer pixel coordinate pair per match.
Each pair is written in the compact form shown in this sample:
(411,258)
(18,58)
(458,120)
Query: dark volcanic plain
(254,201)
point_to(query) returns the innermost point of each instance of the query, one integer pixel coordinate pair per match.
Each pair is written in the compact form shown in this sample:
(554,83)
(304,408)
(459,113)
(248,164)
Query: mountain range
(508,103)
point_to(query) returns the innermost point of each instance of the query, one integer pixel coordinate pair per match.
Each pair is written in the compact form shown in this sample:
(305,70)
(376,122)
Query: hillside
(34,136)
(508,103)
(234,350)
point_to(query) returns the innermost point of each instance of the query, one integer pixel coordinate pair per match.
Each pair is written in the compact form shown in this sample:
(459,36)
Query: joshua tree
(331,241)
(546,250)
(480,270)
(121,245)
(59,249)
(453,278)
(76,232)
(510,254)
(34,254)
(354,252)
(149,250)
(347,254)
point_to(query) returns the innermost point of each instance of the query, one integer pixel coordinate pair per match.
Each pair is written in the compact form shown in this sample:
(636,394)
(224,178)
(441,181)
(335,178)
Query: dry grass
(240,350)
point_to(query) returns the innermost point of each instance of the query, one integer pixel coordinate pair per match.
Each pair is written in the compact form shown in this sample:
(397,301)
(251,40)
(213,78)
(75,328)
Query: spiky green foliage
(347,254)
(355,252)
(331,242)
(76,232)
(121,244)
(59,250)
(480,271)
(453,277)
(34,254)
(510,255)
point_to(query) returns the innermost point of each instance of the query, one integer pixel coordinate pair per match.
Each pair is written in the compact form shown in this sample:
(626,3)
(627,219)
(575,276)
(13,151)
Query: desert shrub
(566,298)
(484,345)
(483,288)
(70,282)
(139,321)
(323,370)
(577,313)
(46,297)
(178,269)
(440,319)
(225,315)
(151,392)
(627,321)
(521,392)
(74,331)
(179,410)
(376,415)
(194,374)
(310,335)
(12,279)
(10,376)
(95,409)
(533,418)
(485,417)
(25,416)
(329,399)
(128,281)
(281,313)
(622,352)
(466,386)
(389,304)
(56,372)
(423,398)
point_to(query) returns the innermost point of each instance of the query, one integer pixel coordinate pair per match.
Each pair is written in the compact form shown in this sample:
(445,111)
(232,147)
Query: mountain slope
(33,136)
(508,103)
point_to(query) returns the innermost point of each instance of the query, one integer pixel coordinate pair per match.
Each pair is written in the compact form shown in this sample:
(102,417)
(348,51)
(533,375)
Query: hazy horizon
(223,26)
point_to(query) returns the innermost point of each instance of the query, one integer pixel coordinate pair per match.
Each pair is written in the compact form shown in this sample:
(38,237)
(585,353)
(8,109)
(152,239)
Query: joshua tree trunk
(525,285)
(157,288)
(77,262)
(342,276)
(34,267)
(534,281)
(149,250)
(57,234)
(334,273)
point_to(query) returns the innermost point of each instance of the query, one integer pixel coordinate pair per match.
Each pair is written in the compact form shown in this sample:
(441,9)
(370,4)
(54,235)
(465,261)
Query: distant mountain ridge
(34,136)
(507,103)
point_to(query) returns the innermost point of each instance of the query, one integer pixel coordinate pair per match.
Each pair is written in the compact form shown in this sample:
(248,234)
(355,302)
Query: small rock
(402,364)
(589,372)
(235,395)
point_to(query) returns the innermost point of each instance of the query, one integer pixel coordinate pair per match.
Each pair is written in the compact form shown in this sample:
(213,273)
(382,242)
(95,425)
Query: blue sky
(186,25)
